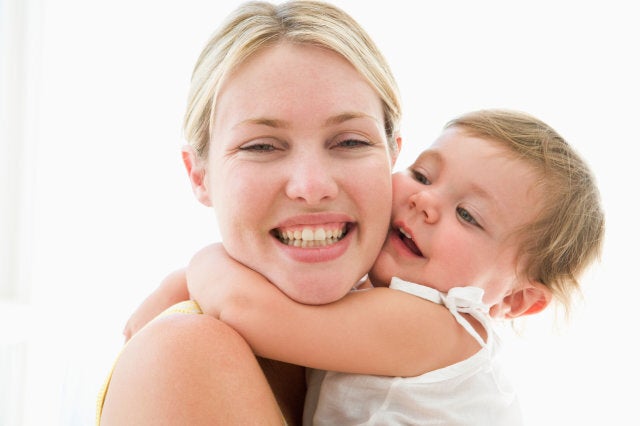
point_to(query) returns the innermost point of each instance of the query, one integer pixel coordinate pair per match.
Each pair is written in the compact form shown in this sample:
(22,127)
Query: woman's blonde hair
(567,235)
(256,25)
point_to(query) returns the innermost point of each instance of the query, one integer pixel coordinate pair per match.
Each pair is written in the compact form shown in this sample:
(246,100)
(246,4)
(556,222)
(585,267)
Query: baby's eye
(420,177)
(466,216)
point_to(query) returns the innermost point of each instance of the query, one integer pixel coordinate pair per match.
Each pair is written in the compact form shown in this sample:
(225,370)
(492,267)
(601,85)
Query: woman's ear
(197,174)
(528,299)
(394,156)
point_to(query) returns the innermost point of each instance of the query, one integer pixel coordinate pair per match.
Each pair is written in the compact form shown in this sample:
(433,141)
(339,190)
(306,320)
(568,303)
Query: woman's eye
(466,216)
(420,177)
(353,143)
(258,147)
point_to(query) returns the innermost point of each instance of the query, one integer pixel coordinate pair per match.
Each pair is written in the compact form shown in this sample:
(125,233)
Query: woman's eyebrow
(265,121)
(282,124)
(346,116)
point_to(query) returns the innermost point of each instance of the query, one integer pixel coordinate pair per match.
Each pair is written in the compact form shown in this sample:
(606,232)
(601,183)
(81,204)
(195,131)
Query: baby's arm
(376,331)
(172,289)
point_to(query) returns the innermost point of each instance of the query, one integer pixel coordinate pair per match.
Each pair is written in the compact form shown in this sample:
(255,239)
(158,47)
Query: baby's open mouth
(408,242)
(308,236)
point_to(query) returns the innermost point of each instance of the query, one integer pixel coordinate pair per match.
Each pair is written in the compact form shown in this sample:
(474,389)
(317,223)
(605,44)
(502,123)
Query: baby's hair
(568,233)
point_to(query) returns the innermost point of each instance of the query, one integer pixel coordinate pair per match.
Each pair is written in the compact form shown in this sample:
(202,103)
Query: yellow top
(186,307)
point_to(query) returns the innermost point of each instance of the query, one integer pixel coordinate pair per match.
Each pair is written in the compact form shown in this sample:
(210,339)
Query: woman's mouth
(315,236)
(407,240)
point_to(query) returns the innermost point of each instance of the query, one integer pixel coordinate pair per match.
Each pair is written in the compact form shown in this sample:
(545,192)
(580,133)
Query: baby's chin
(378,275)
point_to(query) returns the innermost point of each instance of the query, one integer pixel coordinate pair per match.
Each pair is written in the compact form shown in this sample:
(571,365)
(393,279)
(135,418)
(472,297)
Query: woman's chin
(317,294)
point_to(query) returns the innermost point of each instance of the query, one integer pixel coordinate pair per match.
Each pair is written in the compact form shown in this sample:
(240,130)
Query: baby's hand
(208,278)
(216,281)
(172,289)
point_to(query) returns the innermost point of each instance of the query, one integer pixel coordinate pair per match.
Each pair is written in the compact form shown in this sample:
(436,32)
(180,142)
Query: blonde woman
(292,121)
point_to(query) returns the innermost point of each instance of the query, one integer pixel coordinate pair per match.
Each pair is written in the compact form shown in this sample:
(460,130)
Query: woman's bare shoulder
(180,361)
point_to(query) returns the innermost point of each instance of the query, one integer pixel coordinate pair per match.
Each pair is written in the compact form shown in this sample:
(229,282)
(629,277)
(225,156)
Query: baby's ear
(197,174)
(528,299)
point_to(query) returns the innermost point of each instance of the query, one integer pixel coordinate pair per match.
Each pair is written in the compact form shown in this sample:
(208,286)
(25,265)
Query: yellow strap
(189,307)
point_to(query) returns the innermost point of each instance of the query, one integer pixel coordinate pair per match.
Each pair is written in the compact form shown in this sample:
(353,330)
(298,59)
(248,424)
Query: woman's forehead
(287,82)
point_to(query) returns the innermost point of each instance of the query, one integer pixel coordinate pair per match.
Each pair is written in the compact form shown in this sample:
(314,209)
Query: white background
(106,208)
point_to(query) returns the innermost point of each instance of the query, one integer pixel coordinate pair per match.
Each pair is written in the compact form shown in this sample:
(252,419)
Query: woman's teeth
(310,237)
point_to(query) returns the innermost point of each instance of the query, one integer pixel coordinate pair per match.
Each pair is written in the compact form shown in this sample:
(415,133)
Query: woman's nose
(426,203)
(311,179)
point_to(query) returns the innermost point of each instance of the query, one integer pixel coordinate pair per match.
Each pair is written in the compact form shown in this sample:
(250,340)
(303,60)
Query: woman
(293,127)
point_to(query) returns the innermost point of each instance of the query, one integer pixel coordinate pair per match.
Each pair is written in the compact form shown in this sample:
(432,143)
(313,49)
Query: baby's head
(499,201)
(567,233)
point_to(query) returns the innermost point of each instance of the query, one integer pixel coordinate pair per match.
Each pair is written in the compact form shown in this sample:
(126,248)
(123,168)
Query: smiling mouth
(312,236)
(408,242)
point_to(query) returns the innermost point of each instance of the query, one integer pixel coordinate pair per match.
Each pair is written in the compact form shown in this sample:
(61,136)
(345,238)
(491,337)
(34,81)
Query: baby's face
(455,211)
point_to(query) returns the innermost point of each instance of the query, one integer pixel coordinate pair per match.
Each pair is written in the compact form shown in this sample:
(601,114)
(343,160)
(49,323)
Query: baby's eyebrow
(434,159)
(429,155)
(483,193)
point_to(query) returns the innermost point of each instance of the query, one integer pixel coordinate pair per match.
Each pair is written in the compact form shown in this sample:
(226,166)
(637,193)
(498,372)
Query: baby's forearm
(375,331)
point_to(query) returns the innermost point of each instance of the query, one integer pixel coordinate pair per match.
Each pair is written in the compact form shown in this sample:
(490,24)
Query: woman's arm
(172,289)
(188,370)
(377,331)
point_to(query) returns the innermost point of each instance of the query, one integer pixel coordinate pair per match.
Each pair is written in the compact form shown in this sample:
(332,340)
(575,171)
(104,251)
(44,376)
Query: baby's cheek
(382,270)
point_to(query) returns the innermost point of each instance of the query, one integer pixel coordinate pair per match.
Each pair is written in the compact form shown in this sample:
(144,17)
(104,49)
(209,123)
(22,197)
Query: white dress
(470,392)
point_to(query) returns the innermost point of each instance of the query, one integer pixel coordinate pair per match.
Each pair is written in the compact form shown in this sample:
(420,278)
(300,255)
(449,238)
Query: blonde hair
(256,25)
(568,233)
